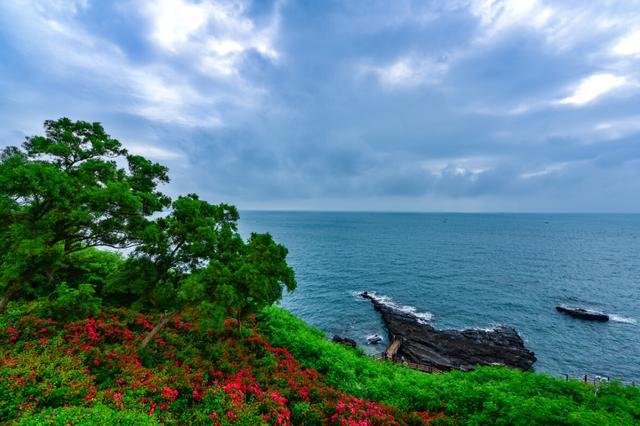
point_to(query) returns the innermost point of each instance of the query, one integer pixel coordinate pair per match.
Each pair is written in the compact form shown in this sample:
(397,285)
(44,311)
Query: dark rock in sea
(374,339)
(426,348)
(344,341)
(584,314)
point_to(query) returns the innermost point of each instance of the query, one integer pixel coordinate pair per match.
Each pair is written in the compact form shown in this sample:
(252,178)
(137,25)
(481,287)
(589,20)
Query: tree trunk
(6,298)
(68,246)
(163,321)
(3,303)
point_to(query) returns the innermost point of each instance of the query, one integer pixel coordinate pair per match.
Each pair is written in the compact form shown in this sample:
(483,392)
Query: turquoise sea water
(473,270)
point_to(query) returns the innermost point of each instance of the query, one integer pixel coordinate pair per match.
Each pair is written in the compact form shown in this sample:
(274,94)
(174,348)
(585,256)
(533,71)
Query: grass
(488,395)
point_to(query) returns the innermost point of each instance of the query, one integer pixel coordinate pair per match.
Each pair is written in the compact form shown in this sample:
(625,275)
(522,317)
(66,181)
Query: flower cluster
(183,376)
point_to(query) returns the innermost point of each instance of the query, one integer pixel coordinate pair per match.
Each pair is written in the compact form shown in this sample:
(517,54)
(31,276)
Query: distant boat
(584,314)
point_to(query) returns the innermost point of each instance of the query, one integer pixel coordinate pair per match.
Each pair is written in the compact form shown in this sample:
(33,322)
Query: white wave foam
(618,318)
(376,337)
(488,329)
(421,317)
(357,295)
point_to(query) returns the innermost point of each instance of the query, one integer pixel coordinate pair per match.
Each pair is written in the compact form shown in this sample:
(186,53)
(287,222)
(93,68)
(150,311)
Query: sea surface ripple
(473,270)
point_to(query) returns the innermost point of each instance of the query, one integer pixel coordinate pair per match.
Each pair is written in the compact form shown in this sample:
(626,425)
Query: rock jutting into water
(344,341)
(429,349)
(582,313)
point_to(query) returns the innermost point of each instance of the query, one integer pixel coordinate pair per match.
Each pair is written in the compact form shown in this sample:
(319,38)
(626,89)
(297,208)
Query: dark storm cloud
(464,105)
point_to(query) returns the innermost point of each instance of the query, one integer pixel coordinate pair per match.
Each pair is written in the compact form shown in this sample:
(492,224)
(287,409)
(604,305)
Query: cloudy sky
(457,105)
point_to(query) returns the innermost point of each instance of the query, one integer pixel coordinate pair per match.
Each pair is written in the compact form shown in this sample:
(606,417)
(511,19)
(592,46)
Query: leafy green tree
(195,258)
(243,281)
(76,188)
(65,192)
(173,247)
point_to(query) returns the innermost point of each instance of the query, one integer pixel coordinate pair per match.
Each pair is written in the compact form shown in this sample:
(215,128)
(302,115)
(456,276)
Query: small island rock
(344,341)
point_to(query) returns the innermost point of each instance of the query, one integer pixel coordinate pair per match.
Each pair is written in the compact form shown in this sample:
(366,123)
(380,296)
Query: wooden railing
(585,378)
(597,380)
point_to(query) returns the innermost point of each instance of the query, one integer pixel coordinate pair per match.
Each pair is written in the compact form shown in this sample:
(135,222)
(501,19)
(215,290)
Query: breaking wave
(421,317)
(618,318)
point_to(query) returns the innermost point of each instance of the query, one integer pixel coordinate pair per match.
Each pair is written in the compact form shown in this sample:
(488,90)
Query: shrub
(96,415)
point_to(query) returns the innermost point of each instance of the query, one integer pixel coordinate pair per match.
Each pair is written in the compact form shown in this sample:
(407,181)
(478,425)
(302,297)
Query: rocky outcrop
(584,314)
(431,349)
(344,341)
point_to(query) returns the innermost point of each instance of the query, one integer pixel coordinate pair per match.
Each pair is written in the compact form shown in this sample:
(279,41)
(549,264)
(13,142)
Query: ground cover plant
(92,368)
(488,395)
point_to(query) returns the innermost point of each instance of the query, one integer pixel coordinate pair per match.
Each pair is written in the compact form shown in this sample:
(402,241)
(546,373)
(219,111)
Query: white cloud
(215,35)
(551,168)
(471,167)
(619,128)
(155,152)
(173,21)
(629,44)
(498,15)
(592,88)
(51,31)
(561,25)
(407,72)
(69,7)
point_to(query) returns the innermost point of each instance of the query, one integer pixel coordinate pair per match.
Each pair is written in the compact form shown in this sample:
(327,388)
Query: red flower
(198,394)
(169,393)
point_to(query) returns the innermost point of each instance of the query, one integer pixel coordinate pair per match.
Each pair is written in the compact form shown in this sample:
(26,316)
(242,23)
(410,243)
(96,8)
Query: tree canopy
(76,189)
(72,189)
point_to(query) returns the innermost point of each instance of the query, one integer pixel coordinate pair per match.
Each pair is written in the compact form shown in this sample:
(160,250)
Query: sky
(457,105)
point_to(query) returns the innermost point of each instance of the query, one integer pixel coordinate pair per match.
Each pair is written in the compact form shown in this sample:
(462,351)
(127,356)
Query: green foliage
(195,258)
(175,246)
(303,414)
(65,192)
(97,415)
(72,303)
(486,396)
(244,280)
(90,266)
(55,372)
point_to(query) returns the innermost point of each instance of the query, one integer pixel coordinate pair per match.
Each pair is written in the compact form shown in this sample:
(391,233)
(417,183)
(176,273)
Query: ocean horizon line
(565,213)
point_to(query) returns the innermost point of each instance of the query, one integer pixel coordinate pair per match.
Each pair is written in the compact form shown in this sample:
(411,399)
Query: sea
(457,270)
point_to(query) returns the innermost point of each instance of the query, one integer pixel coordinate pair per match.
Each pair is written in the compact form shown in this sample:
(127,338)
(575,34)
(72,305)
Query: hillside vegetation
(488,395)
(91,371)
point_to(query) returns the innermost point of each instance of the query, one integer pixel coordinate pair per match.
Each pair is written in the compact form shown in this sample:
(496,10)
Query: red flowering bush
(185,375)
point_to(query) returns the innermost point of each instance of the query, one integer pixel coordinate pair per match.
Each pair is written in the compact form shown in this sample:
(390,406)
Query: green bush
(96,415)
(73,303)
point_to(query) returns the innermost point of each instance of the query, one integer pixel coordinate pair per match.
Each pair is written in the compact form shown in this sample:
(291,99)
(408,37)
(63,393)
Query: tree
(65,192)
(243,281)
(195,258)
